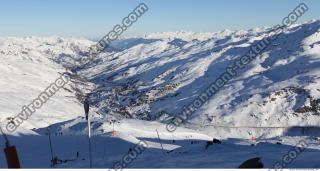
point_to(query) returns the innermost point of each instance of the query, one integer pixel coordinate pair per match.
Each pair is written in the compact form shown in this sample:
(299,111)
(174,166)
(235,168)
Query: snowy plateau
(141,82)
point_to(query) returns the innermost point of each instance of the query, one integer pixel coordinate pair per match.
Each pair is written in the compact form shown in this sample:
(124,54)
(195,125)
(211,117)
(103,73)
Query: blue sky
(95,18)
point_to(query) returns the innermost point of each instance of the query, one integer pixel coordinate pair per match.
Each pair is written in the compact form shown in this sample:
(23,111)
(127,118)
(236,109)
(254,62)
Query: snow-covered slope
(27,69)
(151,78)
(184,148)
(156,75)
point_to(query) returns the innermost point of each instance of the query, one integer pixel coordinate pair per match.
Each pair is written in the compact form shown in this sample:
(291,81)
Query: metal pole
(86,106)
(113,133)
(89,137)
(160,141)
(50,144)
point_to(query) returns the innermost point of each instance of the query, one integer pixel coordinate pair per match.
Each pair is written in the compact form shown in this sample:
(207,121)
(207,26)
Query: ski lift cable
(243,126)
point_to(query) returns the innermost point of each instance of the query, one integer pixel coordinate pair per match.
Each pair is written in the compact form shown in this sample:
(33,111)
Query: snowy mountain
(27,69)
(144,81)
(159,74)
(154,76)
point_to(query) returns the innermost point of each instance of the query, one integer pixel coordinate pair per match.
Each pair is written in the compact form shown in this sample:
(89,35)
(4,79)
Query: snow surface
(146,80)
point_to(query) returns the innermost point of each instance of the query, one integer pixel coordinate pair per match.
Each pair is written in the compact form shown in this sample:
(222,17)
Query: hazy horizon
(93,19)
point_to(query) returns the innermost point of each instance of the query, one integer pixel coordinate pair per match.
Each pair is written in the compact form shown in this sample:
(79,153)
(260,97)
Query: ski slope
(27,69)
(185,148)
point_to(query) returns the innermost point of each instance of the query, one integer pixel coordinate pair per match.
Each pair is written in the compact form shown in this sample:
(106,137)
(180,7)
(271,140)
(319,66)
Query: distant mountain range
(152,77)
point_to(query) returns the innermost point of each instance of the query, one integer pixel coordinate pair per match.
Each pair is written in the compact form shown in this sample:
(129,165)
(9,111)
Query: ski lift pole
(50,145)
(89,136)
(86,110)
(160,141)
